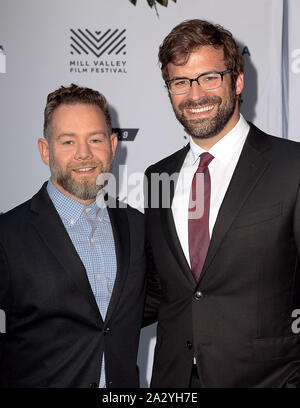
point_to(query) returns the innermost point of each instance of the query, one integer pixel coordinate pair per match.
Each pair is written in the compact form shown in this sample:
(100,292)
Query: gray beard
(208,127)
(84,190)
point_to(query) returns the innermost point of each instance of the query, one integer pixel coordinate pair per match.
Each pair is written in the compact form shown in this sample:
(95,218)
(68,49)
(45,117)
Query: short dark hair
(189,36)
(71,95)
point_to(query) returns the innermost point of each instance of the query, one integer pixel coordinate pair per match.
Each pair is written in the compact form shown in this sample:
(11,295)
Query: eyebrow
(96,132)
(184,77)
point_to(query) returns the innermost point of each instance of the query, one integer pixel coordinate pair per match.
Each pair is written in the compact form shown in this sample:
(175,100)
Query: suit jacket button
(93,385)
(198,295)
(106,331)
(189,345)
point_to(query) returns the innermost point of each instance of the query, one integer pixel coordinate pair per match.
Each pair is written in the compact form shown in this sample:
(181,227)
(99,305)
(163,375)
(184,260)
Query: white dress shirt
(226,154)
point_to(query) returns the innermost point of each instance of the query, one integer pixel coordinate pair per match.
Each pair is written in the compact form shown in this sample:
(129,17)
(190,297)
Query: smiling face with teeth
(79,150)
(206,115)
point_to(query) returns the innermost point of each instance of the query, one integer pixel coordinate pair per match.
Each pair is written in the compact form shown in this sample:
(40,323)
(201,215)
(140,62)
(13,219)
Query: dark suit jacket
(55,335)
(237,319)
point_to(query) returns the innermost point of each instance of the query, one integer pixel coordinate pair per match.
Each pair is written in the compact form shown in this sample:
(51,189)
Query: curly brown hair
(189,36)
(71,95)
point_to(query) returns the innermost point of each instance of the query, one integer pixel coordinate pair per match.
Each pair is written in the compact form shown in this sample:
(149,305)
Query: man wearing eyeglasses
(224,254)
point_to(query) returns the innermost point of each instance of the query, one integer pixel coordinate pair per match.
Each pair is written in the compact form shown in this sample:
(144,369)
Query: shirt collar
(68,208)
(225,147)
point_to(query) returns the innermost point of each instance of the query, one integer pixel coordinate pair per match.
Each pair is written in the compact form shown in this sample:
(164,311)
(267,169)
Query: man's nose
(196,91)
(83,151)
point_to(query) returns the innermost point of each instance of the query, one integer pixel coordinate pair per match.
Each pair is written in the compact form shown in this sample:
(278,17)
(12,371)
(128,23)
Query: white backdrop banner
(112,46)
(292,60)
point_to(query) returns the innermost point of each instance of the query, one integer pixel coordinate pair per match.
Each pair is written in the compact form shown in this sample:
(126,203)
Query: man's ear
(239,84)
(43,146)
(114,143)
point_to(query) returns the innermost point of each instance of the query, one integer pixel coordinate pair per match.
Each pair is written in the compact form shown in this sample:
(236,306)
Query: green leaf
(151,2)
(163,2)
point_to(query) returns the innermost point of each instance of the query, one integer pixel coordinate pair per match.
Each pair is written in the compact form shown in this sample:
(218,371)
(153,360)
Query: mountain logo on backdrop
(2,60)
(125,135)
(98,51)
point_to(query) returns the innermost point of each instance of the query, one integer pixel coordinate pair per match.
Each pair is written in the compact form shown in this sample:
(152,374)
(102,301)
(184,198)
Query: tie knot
(205,159)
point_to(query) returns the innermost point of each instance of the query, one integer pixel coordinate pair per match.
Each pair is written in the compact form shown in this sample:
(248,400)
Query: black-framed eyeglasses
(208,81)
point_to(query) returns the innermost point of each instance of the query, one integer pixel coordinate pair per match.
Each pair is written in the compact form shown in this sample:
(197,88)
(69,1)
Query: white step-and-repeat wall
(112,46)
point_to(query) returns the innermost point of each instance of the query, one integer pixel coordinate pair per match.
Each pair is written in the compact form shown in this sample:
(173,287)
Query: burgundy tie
(198,223)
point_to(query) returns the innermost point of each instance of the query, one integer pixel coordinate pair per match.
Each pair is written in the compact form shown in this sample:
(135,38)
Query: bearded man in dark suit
(72,261)
(224,238)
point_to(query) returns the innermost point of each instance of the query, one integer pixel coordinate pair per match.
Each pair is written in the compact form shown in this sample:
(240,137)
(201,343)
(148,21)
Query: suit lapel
(54,235)
(249,170)
(171,236)
(120,227)
(167,219)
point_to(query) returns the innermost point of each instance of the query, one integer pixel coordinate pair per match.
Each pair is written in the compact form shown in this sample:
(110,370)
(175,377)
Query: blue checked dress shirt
(90,230)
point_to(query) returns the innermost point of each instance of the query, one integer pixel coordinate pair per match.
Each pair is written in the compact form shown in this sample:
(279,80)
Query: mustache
(206,100)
